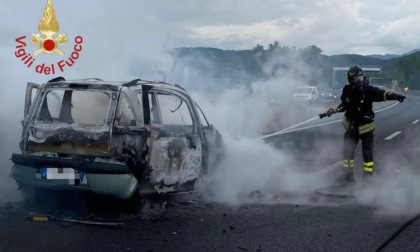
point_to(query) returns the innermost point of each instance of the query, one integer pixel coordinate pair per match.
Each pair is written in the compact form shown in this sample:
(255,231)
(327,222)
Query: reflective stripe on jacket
(363,128)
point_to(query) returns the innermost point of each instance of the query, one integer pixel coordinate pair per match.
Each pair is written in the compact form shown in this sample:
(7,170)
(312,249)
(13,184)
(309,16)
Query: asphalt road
(190,222)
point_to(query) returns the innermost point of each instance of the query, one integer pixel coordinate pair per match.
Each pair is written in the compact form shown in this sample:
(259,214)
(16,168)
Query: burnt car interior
(170,113)
(66,106)
(153,131)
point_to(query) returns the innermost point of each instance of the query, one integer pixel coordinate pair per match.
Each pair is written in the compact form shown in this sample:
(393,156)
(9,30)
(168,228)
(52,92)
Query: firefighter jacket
(357,101)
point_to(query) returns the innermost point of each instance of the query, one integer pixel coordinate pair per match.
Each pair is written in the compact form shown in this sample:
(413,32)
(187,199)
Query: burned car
(114,138)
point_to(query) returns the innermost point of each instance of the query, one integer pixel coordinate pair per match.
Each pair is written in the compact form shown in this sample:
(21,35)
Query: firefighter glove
(400,98)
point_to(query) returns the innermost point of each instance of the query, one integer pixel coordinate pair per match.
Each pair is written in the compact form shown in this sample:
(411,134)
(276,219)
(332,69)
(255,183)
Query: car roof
(96,83)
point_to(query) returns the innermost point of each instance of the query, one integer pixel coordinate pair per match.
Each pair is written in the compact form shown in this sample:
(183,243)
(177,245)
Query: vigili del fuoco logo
(49,42)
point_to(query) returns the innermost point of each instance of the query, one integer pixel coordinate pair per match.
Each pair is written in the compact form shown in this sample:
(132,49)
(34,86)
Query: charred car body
(114,138)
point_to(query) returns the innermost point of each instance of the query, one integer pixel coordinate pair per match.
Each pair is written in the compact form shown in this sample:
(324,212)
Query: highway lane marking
(392,135)
(290,129)
(416,121)
(382,109)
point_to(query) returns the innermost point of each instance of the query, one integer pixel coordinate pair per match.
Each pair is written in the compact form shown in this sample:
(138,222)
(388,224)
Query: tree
(258,48)
(311,53)
(274,46)
(410,67)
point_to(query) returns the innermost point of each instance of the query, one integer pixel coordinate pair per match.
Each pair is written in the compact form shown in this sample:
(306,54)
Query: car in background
(118,139)
(327,95)
(306,93)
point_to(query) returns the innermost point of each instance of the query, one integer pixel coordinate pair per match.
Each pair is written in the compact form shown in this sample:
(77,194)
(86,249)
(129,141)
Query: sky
(124,40)
(337,27)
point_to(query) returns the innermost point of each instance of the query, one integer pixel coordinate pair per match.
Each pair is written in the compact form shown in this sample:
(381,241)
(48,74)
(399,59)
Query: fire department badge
(48,41)
(49,27)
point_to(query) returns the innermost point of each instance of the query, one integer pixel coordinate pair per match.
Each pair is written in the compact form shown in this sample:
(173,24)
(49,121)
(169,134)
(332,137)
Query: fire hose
(329,113)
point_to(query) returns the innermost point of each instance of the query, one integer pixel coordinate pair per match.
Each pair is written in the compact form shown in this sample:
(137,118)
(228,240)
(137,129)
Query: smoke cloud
(255,172)
(391,195)
(252,170)
(396,190)
(11,113)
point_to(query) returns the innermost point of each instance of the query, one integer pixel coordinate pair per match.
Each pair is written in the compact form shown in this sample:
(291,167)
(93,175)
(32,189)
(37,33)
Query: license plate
(62,175)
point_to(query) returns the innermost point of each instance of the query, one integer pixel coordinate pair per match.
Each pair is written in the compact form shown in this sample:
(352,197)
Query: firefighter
(356,101)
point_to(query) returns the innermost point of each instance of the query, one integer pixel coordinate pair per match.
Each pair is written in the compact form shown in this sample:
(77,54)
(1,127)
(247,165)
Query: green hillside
(232,67)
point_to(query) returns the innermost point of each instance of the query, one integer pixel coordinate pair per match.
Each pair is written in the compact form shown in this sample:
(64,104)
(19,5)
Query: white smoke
(396,195)
(254,171)
(11,113)
(396,190)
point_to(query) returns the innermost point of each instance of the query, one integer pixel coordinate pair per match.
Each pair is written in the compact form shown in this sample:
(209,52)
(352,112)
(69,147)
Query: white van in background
(306,93)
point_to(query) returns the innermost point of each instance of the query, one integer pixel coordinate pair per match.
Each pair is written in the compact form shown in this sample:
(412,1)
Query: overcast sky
(337,27)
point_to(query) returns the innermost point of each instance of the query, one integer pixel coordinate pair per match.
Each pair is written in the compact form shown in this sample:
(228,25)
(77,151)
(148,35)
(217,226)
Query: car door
(30,97)
(175,147)
(211,142)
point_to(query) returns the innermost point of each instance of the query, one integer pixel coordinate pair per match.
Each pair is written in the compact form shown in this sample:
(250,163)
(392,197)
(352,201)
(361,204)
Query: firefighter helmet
(355,75)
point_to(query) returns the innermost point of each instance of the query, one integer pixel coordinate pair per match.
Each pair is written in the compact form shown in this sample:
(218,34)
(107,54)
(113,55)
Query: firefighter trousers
(351,139)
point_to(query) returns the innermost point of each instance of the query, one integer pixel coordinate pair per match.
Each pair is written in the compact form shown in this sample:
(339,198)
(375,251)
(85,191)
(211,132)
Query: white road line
(393,105)
(393,135)
(329,168)
(416,121)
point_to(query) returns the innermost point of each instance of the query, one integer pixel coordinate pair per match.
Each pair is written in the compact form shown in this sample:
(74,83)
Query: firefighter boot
(367,178)
(367,174)
(345,178)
